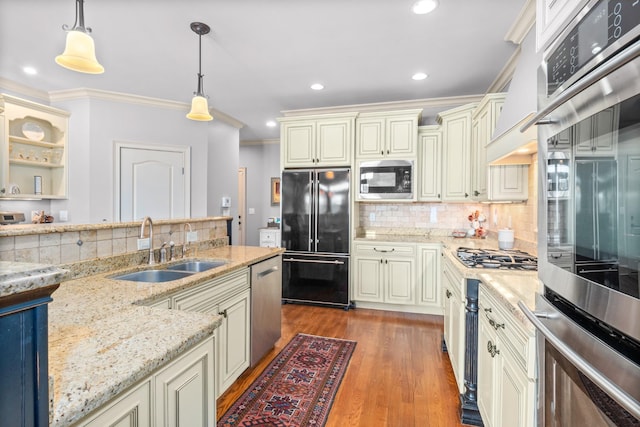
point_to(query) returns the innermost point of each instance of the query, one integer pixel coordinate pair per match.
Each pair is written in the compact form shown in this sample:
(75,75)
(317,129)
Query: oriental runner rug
(297,388)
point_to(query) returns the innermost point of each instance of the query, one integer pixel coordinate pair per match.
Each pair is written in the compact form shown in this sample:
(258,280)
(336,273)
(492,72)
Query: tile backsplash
(69,244)
(522,216)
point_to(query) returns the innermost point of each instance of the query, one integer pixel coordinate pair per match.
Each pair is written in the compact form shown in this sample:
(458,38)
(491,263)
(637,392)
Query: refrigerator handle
(316,203)
(312,209)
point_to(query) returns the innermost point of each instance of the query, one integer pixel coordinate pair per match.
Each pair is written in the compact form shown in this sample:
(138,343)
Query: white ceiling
(262,55)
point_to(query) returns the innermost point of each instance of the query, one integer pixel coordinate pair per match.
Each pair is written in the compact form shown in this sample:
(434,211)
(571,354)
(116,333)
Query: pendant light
(199,107)
(79,52)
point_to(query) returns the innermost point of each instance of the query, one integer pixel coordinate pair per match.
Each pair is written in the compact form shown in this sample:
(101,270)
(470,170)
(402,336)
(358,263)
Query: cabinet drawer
(206,297)
(454,279)
(520,343)
(385,249)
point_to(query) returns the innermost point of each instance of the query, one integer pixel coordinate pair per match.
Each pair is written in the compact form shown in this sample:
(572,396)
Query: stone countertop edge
(18,277)
(61,227)
(103,339)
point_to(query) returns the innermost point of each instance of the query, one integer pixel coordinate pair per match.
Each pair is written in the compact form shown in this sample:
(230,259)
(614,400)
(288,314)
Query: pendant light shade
(79,52)
(199,106)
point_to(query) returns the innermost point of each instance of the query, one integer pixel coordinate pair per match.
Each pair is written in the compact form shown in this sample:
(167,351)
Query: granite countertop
(103,339)
(18,277)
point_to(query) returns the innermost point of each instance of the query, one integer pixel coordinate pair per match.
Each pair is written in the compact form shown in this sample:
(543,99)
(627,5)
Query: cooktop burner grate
(497,259)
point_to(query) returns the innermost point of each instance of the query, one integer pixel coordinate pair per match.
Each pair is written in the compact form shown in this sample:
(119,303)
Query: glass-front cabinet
(33,150)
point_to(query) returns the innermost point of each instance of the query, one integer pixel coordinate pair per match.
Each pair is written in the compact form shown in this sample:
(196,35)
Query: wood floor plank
(397,377)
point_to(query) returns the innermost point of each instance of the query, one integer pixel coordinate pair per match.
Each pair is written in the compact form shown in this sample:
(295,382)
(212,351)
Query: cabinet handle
(388,152)
(223,313)
(492,349)
(382,152)
(386,261)
(448,293)
(493,323)
(476,193)
(466,195)
(438,195)
(488,310)
(384,250)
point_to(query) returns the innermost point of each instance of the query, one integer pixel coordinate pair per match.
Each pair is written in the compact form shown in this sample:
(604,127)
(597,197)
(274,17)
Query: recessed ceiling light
(271,124)
(29,70)
(424,6)
(419,76)
(317,86)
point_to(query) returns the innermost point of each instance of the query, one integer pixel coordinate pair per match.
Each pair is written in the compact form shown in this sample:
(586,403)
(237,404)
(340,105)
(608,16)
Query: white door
(153,181)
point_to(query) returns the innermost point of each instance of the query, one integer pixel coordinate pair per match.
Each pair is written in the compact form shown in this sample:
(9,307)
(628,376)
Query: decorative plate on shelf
(32,131)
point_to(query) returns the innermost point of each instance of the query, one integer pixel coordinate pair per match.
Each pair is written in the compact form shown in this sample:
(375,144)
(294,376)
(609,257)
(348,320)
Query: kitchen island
(104,337)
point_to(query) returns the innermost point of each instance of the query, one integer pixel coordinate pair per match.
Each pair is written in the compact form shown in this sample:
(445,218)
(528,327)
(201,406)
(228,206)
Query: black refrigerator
(315,233)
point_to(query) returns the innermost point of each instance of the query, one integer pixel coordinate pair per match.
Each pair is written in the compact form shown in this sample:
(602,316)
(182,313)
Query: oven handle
(601,381)
(617,62)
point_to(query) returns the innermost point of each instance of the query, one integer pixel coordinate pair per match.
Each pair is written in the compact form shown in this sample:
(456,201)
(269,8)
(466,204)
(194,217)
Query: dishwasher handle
(268,271)
(314,261)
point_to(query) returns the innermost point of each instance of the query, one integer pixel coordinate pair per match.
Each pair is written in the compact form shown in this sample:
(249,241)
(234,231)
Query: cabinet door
(551,17)
(401,135)
(429,165)
(516,395)
(480,132)
(456,159)
(299,144)
(429,277)
(370,134)
(132,409)
(368,279)
(509,183)
(234,337)
(605,131)
(185,391)
(486,371)
(334,142)
(400,280)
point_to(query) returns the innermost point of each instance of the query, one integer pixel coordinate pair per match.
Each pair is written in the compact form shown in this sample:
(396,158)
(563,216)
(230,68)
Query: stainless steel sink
(196,266)
(153,276)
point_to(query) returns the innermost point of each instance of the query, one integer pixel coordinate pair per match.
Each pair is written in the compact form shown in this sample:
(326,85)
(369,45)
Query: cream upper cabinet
(551,17)
(385,272)
(598,135)
(387,134)
(33,150)
(508,183)
(484,122)
(313,141)
(506,366)
(430,163)
(456,153)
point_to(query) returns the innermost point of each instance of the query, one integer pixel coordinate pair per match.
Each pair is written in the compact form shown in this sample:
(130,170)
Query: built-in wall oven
(588,314)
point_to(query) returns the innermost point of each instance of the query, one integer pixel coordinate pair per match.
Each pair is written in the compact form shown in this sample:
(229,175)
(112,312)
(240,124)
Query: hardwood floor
(397,377)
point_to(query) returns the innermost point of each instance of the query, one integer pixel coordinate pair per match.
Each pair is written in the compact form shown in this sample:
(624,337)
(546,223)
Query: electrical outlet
(64,216)
(192,236)
(143,244)
(372,216)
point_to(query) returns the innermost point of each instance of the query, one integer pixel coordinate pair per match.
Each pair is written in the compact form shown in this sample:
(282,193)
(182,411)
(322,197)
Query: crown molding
(523,24)
(24,90)
(261,142)
(387,106)
(83,93)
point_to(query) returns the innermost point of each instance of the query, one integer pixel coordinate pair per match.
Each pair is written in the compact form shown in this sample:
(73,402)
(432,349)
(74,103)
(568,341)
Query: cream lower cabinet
(454,319)
(428,280)
(385,273)
(228,296)
(181,393)
(506,367)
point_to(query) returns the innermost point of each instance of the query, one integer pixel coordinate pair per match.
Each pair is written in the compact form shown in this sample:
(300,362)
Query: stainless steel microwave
(386,179)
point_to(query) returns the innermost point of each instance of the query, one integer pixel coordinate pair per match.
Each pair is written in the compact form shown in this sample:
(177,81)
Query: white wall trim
(12,86)
(261,141)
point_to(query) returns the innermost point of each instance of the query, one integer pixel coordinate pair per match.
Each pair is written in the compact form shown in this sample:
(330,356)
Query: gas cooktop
(497,259)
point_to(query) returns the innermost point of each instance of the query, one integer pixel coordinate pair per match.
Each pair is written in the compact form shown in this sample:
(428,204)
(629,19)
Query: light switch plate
(143,244)
(192,236)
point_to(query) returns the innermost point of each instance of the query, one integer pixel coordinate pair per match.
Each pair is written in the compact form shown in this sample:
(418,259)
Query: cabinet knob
(223,313)
(388,152)
(466,195)
(476,193)
(382,152)
(448,293)
(438,195)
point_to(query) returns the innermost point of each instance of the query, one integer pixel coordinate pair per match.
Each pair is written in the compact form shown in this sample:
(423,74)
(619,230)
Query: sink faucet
(185,245)
(152,258)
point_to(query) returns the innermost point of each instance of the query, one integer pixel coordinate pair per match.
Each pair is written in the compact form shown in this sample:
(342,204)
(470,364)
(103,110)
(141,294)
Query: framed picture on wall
(275,191)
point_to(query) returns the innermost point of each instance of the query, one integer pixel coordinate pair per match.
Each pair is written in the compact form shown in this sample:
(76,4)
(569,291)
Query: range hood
(508,145)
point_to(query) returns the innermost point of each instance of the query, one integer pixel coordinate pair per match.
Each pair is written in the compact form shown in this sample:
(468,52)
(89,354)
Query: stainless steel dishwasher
(266,306)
